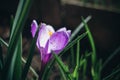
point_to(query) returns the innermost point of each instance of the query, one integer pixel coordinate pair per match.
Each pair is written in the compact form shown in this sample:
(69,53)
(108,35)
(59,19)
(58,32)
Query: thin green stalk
(64,68)
(93,56)
(112,74)
(62,72)
(30,57)
(76,71)
(117,51)
(31,69)
(80,26)
(84,69)
(72,56)
(3,42)
(78,53)
(91,42)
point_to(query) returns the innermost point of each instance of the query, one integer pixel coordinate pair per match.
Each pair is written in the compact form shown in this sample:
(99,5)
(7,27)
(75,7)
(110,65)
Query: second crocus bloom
(48,40)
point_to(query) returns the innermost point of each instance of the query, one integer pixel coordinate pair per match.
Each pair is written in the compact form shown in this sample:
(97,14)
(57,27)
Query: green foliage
(11,65)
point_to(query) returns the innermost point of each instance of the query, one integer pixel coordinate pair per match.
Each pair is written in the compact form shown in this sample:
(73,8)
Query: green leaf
(76,70)
(91,42)
(3,42)
(117,51)
(14,67)
(80,26)
(18,62)
(93,56)
(62,72)
(84,68)
(112,74)
(63,68)
(78,54)
(72,57)
(31,69)
(20,17)
(11,23)
(30,57)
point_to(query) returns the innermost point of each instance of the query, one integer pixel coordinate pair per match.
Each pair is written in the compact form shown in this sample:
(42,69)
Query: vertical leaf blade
(31,54)
(18,62)
(64,69)
(14,70)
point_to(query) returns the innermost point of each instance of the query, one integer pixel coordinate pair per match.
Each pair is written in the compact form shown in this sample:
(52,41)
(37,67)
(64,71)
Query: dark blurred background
(104,25)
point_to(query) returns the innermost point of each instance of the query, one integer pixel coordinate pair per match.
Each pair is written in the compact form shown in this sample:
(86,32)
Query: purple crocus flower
(48,40)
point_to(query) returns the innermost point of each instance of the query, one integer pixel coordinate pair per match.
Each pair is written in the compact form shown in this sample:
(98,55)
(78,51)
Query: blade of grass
(80,26)
(72,59)
(17,16)
(112,74)
(11,23)
(64,69)
(117,51)
(91,42)
(31,69)
(62,73)
(84,69)
(78,53)
(20,17)
(11,68)
(31,54)
(93,56)
(3,42)
(18,62)
(76,72)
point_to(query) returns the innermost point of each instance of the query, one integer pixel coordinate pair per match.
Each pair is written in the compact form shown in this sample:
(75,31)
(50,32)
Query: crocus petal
(68,32)
(34,27)
(57,42)
(61,29)
(44,57)
(44,34)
